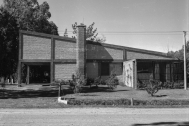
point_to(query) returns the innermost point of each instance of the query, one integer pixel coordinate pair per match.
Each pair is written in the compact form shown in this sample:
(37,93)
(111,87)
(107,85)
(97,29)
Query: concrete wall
(36,47)
(129,73)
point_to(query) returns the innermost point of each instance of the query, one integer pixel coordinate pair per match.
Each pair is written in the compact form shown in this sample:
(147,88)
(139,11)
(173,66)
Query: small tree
(76,82)
(112,81)
(153,87)
(91,33)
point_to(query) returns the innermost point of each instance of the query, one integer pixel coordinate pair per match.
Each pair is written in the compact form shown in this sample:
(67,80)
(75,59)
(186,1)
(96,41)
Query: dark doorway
(162,68)
(40,73)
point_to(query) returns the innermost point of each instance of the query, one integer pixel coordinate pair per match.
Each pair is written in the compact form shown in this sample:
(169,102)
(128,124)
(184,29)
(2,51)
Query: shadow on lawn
(99,89)
(160,95)
(14,94)
(164,124)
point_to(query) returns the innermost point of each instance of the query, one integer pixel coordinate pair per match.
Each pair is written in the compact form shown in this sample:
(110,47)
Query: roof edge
(46,35)
(129,48)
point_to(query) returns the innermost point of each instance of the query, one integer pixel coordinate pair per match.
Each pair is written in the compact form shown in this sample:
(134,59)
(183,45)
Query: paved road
(95,117)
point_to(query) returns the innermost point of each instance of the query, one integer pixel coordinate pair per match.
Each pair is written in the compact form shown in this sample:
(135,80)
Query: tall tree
(91,33)
(8,44)
(31,16)
(179,55)
(18,15)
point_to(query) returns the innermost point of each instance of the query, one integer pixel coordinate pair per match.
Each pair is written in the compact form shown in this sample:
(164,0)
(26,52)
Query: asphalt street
(95,117)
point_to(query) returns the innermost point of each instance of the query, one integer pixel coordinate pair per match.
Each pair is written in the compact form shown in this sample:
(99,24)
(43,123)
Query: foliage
(31,16)
(18,15)
(77,81)
(8,44)
(112,81)
(180,55)
(91,33)
(127,102)
(153,87)
(103,102)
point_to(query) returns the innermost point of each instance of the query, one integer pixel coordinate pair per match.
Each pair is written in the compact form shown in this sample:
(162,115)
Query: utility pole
(185,69)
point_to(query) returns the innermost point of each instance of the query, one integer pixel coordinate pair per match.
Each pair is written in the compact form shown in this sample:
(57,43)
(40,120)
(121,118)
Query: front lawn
(46,97)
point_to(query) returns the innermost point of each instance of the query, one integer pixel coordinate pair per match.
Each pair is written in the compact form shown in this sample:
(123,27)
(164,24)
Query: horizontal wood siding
(64,71)
(36,47)
(65,50)
(100,52)
(136,55)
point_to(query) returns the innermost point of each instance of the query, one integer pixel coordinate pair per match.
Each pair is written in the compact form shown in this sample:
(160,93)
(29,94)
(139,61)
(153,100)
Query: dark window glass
(105,69)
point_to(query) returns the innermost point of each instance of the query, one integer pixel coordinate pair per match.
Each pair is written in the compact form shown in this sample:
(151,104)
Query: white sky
(122,16)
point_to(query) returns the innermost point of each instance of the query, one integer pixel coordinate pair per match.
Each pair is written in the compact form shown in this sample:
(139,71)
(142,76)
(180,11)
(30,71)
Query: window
(105,69)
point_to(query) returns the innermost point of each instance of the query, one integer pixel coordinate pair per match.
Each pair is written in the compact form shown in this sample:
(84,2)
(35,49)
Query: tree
(18,15)
(31,16)
(91,33)
(8,44)
(180,55)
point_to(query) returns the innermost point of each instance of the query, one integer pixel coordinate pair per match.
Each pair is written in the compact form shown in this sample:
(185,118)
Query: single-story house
(44,58)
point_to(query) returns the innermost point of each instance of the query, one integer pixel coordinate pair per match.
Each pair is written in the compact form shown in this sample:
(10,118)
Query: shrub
(112,81)
(153,87)
(76,82)
(117,102)
(89,81)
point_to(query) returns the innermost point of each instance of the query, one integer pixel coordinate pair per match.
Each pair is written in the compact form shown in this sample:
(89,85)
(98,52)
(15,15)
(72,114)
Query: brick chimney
(81,50)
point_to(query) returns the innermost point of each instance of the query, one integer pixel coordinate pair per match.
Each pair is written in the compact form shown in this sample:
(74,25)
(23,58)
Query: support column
(51,72)
(135,74)
(28,74)
(52,60)
(19,72)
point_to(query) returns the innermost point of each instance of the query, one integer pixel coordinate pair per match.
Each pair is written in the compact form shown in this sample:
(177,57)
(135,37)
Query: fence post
(131,101)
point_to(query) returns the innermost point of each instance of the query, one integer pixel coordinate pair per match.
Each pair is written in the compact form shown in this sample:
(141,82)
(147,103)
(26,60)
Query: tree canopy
(18,15)
(31,16)
(179,55)
(91,33)
(8,43)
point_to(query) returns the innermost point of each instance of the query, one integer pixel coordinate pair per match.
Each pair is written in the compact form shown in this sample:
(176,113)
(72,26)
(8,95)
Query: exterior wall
(117,68)
(100,52)
(92,70)
(128,73)
(64,71)
(36,47)
(137,55)
(65,50)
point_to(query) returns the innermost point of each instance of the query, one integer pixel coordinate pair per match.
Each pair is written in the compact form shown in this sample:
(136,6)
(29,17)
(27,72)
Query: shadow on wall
(98,51)
(164,124)
(102,57)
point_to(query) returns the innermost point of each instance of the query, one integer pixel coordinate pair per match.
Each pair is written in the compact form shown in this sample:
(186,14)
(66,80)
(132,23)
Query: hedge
(127,102)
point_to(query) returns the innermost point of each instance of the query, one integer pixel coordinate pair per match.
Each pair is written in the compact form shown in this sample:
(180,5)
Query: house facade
(44,58)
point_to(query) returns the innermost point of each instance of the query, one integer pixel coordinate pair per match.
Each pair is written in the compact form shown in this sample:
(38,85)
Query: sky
(146,24)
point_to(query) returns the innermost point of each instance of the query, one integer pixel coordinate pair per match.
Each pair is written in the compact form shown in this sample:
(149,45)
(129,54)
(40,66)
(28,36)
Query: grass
(37,96)
(120,92)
